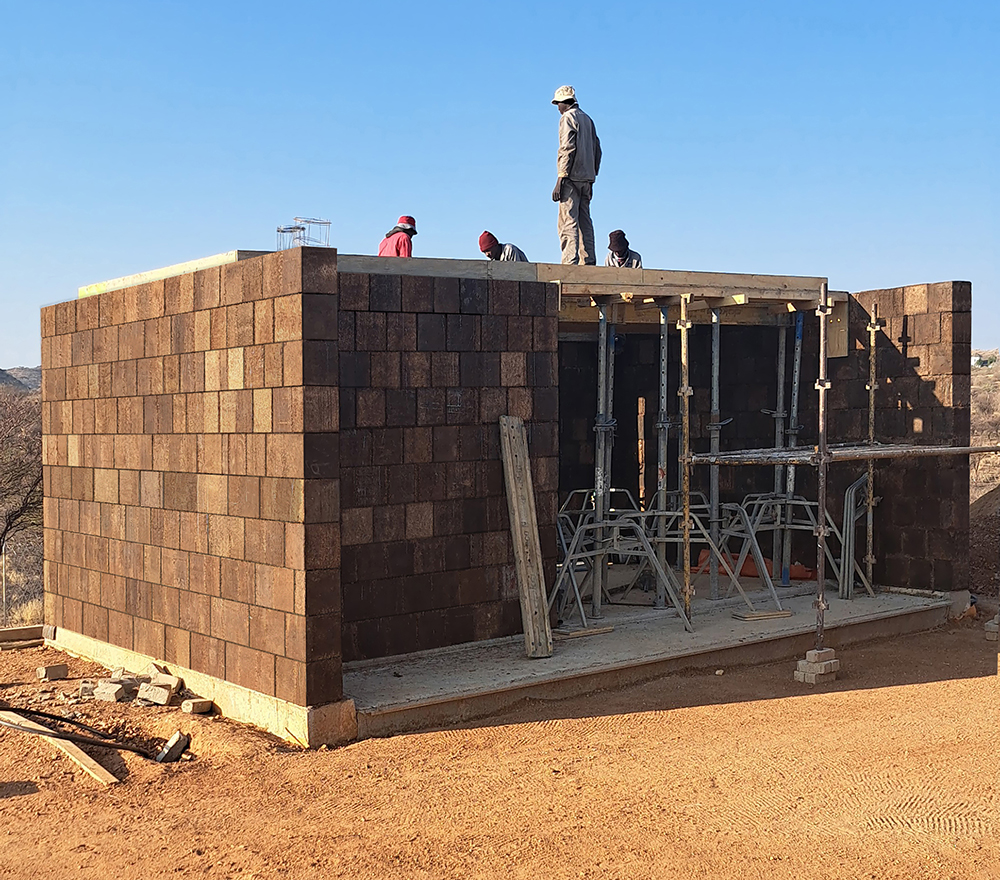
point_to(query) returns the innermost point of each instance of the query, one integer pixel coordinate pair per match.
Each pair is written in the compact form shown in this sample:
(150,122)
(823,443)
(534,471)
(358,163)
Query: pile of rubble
(154,687)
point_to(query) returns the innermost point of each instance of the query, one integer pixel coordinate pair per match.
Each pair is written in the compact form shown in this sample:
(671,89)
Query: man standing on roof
(397,241)
(620,254)
(505,253)
(579,161)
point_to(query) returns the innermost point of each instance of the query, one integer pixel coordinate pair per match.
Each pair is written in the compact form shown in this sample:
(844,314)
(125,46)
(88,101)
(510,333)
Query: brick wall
(427,367)
(191,474)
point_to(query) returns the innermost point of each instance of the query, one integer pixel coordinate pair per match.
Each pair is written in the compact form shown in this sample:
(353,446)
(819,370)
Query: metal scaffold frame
(602,532)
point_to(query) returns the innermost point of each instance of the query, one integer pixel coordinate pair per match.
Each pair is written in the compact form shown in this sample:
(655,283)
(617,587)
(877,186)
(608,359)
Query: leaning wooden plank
(524,536)
(71,750)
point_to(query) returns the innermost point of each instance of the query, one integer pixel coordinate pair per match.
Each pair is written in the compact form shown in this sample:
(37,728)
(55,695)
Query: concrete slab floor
(641,636)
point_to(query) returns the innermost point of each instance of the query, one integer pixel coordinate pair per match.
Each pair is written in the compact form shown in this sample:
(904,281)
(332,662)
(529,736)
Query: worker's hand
(557,192)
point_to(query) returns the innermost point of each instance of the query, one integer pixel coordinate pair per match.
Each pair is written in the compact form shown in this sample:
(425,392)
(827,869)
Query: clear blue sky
(856,140)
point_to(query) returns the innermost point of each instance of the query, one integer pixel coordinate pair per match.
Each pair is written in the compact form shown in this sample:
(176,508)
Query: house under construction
(280,473)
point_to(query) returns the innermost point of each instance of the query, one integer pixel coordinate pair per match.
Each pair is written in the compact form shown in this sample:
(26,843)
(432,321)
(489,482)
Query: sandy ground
(890,773)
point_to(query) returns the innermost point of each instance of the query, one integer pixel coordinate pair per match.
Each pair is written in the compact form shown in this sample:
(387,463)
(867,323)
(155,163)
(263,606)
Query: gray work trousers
(576,230)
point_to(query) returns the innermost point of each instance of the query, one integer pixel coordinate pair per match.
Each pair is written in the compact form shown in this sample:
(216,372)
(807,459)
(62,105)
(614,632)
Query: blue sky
(856,140)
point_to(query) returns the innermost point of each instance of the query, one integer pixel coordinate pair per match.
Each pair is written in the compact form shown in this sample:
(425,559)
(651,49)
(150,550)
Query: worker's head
(564,98)
(618,243)
(489,245)
(407,224)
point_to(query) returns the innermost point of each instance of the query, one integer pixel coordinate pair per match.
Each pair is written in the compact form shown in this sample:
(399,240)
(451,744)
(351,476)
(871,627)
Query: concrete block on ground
(820,655)
(87,687)
(156,669)
(197,706)
(815,677)
(174,748)
(109,692)
(52,673)
(162,679)
(992,636)
(819,668)
(155,694)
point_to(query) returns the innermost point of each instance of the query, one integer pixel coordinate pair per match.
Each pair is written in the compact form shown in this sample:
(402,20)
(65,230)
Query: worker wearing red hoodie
(397,241)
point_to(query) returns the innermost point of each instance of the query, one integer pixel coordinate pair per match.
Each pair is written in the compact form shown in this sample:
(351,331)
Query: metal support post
(604,428)
(684,392)
(822,462)
(779,442)
(793,439)
(714,427)
(662,435)
(874,325)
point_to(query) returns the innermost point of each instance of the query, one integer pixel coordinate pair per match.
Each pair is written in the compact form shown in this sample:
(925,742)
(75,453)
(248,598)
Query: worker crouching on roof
(397,241)
(505,253)
(579,161)
(620,254)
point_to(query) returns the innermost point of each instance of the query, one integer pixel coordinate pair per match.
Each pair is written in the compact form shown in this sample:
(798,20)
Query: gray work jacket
(511,253)
(632,261)
(579,147)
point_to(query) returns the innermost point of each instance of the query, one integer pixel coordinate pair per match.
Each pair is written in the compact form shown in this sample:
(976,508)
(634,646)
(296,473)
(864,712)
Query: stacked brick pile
(191,477)
(427,367)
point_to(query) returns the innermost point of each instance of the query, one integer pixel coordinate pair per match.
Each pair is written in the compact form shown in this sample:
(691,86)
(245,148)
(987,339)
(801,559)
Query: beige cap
(564,94)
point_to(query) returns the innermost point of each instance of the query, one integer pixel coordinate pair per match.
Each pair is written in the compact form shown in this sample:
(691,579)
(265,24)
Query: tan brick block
(267,630)
(123,382)
(178,413)
(211,453)
(226,536)
(151,564)
(282,499)
(174,569)
(178,294)
(130,415)
(250,669)
(202,331)
(209,402)
(253,279)
(207,285)
(83,417)
(65,317)
(244,496)
(232,283)
(288,318)
(253,367)
(274,373)
(236,412)
(274,587)
(295,545)
(106,486)
(291,363)
(48,318)
(192,372)
(216,370)
(204,574)
(180,491)
(263,321)
(195,613)
(177,643)
(287,410)
(262,420)
(152,300)
(53,384)
(239,325)
(237,580)
(230,621)
(149,638)
(265,541)
(272,272)
(218,329)
(157,335)
(181,333)
(213,493)
(105,344)
(234,372)
(285,455)
(82,347)
(174,452)
(76,382)
(137,522)
(915,299)
(151,488)
(171,374)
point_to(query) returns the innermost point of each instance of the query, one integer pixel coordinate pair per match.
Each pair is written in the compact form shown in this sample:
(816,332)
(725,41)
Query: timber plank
(524,535)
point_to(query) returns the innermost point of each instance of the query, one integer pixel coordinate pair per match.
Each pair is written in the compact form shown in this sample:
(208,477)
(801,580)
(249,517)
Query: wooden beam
(524,535)
(71,750)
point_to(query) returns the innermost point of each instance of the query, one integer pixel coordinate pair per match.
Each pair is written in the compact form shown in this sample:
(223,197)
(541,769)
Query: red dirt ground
(889,773)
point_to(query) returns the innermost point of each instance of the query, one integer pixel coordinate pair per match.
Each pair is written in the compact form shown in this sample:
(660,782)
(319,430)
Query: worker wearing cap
(579,161)
(505,253)
(397,241)
(620,254)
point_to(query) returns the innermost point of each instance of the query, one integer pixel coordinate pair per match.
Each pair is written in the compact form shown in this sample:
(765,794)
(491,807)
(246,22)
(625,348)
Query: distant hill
(10,382)
(29,377)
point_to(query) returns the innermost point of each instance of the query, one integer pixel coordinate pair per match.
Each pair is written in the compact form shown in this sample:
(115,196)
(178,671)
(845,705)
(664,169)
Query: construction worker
(397,241)
(579,161)
(505,253)
(620,254)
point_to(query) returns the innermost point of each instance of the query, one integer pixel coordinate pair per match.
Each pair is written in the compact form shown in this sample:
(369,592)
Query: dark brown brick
(431,332)
(370,331)
(353,291)
(462,333)
(384,293)
(400,407)
(446,295)
(417,293)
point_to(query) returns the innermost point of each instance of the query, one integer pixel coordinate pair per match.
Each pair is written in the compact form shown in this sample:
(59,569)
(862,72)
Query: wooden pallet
(524,534)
